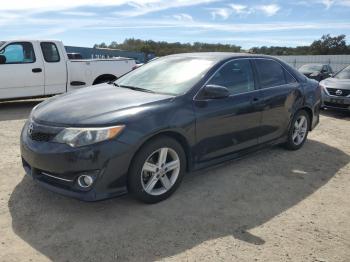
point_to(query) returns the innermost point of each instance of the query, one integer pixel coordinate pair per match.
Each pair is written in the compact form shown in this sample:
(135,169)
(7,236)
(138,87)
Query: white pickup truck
(41,68)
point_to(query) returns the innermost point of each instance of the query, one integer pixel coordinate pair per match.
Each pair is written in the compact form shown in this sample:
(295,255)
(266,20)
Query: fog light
(85,181)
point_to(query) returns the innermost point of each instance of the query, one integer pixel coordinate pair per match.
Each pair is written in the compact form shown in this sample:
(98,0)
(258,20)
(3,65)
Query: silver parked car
(336,90)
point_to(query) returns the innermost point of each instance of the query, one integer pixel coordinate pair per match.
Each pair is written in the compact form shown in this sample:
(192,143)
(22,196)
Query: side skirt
(237,155)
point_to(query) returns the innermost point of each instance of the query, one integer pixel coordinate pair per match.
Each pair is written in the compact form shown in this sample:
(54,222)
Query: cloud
(223,13)
(142,8)
(76,13)
(183,17)
(269,10)
(240,9)
(46,5)
(327,3)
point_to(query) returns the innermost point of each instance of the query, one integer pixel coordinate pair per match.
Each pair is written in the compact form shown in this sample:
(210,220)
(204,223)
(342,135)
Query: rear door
(229,124)
(280,94)
(55,68)
(21,75)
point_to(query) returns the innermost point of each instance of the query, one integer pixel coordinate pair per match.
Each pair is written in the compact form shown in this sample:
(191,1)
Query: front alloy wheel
(160,171)
(157,170)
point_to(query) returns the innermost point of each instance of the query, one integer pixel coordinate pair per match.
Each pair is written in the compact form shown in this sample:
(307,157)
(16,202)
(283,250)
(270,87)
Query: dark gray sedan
(336,90)
(175,114)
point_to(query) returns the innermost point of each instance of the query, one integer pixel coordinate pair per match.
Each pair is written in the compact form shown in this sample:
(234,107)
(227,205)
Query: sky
(243,23)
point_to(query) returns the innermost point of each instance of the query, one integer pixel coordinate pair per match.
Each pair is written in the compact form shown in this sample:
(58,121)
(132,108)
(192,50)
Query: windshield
(311,68)
(343,74)
(171,75)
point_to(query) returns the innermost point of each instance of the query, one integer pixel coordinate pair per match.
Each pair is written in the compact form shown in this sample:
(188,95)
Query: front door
(229,124)
(21,73)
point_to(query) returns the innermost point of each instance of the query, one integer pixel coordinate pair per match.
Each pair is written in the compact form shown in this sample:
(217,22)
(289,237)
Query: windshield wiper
(135,88)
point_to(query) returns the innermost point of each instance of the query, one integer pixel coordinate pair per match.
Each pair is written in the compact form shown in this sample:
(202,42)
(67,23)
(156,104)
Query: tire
(152,179)
(294,141)
(104,79)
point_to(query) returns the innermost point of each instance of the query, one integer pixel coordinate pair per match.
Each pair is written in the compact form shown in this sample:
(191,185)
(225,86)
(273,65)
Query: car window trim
(48,42)
(20,63)
(195,97)
(276,61)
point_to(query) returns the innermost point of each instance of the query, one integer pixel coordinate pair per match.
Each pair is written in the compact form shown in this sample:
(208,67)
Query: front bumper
(57,166)
(336,102)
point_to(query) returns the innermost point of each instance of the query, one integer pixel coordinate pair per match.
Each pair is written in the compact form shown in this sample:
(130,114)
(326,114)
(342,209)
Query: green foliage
(327,45)
(165,48)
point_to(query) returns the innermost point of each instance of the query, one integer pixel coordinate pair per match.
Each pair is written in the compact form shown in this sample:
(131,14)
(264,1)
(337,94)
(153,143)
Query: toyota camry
(179,113)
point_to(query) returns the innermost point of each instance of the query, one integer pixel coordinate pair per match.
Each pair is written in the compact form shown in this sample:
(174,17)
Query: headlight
(76,137)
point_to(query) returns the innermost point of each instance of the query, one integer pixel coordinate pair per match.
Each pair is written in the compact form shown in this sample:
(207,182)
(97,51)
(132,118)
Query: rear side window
(271,73)
(18,53)
(50,52)
(236,76)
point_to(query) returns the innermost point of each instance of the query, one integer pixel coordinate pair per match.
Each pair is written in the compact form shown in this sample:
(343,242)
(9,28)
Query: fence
(337,62)
(88,53)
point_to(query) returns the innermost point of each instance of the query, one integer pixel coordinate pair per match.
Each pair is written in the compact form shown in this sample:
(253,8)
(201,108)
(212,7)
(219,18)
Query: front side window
(236,76)
(50,52)
(270,73)
(18,53)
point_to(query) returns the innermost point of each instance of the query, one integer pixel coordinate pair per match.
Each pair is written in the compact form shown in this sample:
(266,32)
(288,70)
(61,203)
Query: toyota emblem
(30,128)
(338,92)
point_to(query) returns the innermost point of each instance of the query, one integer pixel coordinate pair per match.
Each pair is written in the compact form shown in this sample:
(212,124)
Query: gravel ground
(274,205)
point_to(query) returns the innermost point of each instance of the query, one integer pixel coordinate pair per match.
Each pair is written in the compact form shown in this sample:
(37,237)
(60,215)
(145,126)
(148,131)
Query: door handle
(255,100)
(37,70)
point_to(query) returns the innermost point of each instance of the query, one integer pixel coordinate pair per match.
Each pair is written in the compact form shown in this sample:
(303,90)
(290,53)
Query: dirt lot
(274,205)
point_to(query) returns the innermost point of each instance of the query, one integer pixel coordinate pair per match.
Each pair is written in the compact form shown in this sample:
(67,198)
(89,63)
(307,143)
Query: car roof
(315,64)
(219,56)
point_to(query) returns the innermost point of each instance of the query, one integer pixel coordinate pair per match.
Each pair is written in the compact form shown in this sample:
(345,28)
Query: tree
(328,45)
(165,48)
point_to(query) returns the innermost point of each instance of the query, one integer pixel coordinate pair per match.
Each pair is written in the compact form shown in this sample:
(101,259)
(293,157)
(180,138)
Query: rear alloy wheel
(157,170)
(298,131)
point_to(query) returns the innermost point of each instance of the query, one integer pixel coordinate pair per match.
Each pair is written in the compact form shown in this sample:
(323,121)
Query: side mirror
(214,92)
(2,59)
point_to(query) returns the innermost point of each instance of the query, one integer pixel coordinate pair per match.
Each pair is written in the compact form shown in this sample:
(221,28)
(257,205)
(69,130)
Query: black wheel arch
(177,136)
(104,78)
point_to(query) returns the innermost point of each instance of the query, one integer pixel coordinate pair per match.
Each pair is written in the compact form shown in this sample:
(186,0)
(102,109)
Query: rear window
(50,52)
(270,73)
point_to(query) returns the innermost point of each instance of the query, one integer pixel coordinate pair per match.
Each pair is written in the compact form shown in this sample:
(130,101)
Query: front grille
(333,92)
(41,137)
(344,106)
(42,133)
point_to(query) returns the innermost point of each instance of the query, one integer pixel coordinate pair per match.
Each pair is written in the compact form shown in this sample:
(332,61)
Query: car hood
(336,83)
(309,72)
(94,106)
